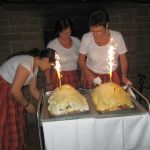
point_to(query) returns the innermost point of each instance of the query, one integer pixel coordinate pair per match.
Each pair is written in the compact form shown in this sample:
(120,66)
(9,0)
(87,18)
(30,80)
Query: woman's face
(98,31)
(65,34)
(45,64)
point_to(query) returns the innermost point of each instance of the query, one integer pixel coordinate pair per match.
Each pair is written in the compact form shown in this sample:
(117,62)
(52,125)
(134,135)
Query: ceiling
(74,1)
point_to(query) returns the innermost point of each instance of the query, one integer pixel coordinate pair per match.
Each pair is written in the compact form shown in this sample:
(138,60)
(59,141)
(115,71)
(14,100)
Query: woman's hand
(30,108)
(89,76)
(125,80)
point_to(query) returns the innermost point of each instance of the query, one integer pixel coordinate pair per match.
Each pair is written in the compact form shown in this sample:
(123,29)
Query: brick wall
(22,27)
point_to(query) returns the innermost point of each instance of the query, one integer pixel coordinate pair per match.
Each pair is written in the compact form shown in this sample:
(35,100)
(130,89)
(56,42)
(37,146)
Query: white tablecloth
(118,133)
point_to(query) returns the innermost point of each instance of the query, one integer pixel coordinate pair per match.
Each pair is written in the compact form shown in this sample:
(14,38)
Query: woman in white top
(18,71)
(67,47)
(93,53)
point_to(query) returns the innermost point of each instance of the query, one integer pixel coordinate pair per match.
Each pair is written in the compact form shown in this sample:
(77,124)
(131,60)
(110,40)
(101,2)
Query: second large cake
(110,96)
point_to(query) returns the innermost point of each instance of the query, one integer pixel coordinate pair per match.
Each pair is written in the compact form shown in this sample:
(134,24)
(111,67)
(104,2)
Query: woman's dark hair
(62,24)
(48,53)
(45,53)
(99,17)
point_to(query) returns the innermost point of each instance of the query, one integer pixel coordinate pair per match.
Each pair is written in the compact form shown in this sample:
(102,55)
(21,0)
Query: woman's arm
(124,68)
(47,76)
(85,70)
(48,79)
(81,61)
(34,90)
(20,78)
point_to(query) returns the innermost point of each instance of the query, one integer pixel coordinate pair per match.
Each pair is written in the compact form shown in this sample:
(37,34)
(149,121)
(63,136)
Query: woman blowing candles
(93,53)
(67,47)
(18,71)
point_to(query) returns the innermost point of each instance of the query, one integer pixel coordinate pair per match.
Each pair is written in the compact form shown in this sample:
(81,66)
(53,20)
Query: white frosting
(66,100)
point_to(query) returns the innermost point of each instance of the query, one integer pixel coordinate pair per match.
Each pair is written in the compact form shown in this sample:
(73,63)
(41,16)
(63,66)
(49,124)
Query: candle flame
(111,53)
(58,68)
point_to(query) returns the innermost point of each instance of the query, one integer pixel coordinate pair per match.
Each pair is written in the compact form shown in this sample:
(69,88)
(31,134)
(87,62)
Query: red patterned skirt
(104,77)
(68,77)
(12,120)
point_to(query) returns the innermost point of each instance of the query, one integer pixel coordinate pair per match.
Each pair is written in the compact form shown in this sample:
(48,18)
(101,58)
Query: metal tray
(45,115)
(92,113)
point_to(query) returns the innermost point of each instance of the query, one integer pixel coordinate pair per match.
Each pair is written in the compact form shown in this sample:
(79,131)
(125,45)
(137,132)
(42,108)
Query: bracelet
(26,105)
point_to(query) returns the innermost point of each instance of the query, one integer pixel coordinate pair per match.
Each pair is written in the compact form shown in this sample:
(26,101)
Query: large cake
(110,96)
(66,100)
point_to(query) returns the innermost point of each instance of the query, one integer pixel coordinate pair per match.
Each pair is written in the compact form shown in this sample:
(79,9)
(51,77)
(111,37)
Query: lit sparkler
(58,69)
(111,53)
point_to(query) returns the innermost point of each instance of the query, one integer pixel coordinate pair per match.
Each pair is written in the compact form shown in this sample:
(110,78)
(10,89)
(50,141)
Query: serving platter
(44,114)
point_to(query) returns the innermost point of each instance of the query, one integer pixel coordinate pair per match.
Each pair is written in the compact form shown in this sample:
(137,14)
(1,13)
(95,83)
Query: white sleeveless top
(68,56)
(97,56)
(8,69)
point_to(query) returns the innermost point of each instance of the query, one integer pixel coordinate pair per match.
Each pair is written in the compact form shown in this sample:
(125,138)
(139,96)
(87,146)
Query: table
(116,133)
(117,130)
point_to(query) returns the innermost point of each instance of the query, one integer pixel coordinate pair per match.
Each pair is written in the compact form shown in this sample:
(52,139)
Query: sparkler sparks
(58,69)
(111,54)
